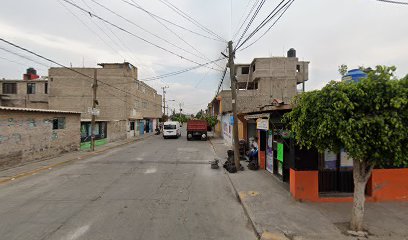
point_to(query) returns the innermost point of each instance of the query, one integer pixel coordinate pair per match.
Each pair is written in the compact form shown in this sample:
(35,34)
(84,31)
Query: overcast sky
(327,33)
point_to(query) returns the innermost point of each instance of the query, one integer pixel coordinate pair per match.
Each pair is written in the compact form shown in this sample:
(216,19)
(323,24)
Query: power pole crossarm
(231,65)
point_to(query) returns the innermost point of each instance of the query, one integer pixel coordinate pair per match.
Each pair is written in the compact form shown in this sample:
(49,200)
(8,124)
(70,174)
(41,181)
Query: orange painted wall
(384,185)
(261,154)
(304,185)
(389,185)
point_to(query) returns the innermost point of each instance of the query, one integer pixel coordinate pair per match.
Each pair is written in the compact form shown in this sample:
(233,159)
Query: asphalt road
(152,189)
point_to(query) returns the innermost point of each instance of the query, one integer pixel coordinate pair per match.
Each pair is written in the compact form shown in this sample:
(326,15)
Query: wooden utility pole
(231,55)
(94,101)
(164,99)
(180,108)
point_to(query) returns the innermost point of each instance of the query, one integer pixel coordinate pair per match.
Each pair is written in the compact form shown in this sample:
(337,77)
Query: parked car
(197,129)
(171,129)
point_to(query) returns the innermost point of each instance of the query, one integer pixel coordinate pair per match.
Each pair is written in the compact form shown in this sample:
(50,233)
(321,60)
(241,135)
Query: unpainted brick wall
(27,136)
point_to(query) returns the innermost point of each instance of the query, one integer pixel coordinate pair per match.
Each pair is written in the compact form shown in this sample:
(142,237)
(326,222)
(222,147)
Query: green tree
(342,69)
(200,114)
(212,121)
(368,119)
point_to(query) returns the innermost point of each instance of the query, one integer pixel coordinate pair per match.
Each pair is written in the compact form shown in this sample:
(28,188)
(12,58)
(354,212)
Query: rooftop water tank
(292,52)
(354,75)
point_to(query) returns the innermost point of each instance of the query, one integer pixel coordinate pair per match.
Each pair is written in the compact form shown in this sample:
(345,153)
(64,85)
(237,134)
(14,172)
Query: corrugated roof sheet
(35,110)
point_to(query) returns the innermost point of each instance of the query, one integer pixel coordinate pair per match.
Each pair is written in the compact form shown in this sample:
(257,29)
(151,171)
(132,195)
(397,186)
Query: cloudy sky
(327,33)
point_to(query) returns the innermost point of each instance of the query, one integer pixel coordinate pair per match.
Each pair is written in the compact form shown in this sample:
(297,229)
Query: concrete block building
(263,83)
(28,134)
(29,92)
(127,107)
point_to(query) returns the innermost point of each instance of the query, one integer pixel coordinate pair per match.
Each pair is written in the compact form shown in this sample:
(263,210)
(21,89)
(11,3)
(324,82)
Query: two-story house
(261,84)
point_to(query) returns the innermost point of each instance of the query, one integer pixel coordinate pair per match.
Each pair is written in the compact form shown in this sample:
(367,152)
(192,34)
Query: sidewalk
(276,215)
(31,168)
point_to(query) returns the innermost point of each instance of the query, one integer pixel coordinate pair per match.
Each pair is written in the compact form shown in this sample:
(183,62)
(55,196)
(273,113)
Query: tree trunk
(361,173)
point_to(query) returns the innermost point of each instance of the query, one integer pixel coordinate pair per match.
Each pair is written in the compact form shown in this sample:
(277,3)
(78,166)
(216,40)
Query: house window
(253,67)
(46,88)
(30,88)
(9,88)
(58,123)
(244,70)
(132,126)
(298,68)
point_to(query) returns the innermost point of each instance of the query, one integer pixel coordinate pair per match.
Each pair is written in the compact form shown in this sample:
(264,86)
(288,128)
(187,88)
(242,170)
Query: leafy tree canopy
(368,119)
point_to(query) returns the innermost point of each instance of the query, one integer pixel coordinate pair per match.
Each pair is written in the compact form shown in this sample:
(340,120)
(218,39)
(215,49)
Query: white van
(171,129)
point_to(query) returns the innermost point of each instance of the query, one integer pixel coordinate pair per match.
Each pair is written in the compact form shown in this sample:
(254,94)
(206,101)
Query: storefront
(314,176)
(273,142)
(100,133)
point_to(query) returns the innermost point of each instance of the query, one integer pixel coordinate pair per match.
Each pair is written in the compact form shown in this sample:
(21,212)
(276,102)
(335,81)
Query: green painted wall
(87,145)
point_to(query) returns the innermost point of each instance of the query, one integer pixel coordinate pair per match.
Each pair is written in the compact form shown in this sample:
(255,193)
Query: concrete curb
(71,160)
(247,211)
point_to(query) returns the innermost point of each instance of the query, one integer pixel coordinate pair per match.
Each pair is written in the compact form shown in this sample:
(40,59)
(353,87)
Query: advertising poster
(280,167)
(269,152)
(280,152)
(330,160)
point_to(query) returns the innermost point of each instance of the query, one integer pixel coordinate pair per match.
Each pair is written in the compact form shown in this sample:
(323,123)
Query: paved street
(152,189)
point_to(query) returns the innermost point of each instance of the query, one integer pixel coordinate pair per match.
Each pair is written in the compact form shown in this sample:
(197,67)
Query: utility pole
(231,55)
(94,101)
(164,99)
(180,108)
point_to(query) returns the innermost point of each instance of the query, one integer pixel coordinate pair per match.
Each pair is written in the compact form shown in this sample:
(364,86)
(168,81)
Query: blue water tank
(354,75)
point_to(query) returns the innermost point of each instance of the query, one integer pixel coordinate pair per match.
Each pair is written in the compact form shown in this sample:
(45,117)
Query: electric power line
(20,63)
(90,29)
(222,80)
(25,57)
(273,13)
(121,45)
(82,74)
(132,34)
(273,24)
(174,33)
(178,72)
(63,66)
(170,22)
(145,30)
(394,2)
(190,19)
(251,20)
(246,18)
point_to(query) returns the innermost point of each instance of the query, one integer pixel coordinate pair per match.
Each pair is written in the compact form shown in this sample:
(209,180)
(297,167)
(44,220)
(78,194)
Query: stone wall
(26,136)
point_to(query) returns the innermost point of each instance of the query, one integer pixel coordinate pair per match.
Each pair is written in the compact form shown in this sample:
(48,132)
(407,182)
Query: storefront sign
(262,124)
(256,116)
(280,152)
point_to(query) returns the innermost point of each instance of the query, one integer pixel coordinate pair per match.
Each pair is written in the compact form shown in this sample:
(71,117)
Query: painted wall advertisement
(269,152)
